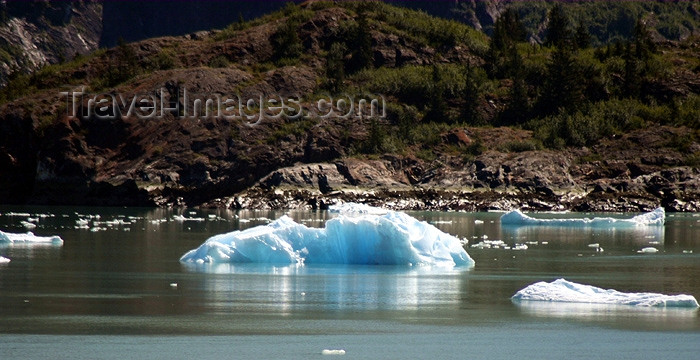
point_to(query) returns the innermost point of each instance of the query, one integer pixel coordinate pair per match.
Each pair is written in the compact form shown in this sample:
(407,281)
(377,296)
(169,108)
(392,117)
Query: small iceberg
(29,238)
(333,352)
(561,290)
(356,209)
(391,239)
(516,217)
(4,260)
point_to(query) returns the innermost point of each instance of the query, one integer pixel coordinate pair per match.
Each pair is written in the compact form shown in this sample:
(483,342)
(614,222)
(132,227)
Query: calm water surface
(116,289)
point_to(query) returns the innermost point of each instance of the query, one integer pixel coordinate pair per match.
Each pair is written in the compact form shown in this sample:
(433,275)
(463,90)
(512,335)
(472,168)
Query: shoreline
(421,199)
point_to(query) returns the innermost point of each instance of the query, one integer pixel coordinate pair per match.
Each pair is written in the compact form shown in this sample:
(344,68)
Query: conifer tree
(631,77)
(335,68)
(518,107)
(508,30)
(643,43)
(564,84)
(361,44)
(286,41)
(471,97)
(582,38)
(438,106)
(558,32)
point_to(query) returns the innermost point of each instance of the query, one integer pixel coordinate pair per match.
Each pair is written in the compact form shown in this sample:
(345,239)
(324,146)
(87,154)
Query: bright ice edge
(656,217)
(393,238)
(565,291)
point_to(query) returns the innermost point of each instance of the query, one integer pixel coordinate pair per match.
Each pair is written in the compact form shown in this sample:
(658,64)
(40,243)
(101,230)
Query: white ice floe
(355,208)
(561,290)
(27,225)
(333,352)
(29,238)
(648,250)
(516,217)
(18,214)
(183,218)
(391,239)
(498,244)
(478,222)
(4,260)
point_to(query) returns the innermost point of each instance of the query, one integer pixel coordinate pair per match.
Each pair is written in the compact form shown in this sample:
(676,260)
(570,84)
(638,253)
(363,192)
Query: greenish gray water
(117,288)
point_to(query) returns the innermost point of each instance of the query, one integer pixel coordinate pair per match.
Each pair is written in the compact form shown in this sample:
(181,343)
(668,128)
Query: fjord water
(116,289)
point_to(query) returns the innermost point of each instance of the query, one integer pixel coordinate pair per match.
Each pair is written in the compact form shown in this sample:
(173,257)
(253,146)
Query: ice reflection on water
(330,288)
(606,313)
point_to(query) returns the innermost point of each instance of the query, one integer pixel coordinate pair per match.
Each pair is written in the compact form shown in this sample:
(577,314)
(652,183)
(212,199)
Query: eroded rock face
(41,33)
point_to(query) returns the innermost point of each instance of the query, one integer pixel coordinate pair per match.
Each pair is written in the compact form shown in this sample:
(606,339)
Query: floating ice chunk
(478,222)
(354,208)
(27,225)
(391,239)
(595,245)
(29,238)
(561,290)
(516,217)
(18,214)
(648,250)
(183,218)
(4,260)
(520,247)
(333,352)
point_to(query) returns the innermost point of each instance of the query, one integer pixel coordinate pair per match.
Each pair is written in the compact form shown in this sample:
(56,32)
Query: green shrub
(576,129)
(413,84)
(520,146)
(220,61)
(286,42)
(166,59)
(687,111)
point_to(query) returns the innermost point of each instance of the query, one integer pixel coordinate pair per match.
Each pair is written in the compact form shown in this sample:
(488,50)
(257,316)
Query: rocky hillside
(34,33)
(441,146)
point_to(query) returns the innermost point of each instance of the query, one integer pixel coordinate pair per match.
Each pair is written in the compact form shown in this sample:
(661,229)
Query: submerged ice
(394,238)
(516,217)
(29,238)
(561,290)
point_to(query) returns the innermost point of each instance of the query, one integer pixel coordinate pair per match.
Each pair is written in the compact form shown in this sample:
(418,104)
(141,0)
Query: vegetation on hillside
(609,21)
(570,91)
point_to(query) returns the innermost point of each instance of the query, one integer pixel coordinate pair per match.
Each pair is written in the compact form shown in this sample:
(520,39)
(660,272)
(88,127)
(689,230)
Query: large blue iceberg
(561,290)
(394,238)
(517,218)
